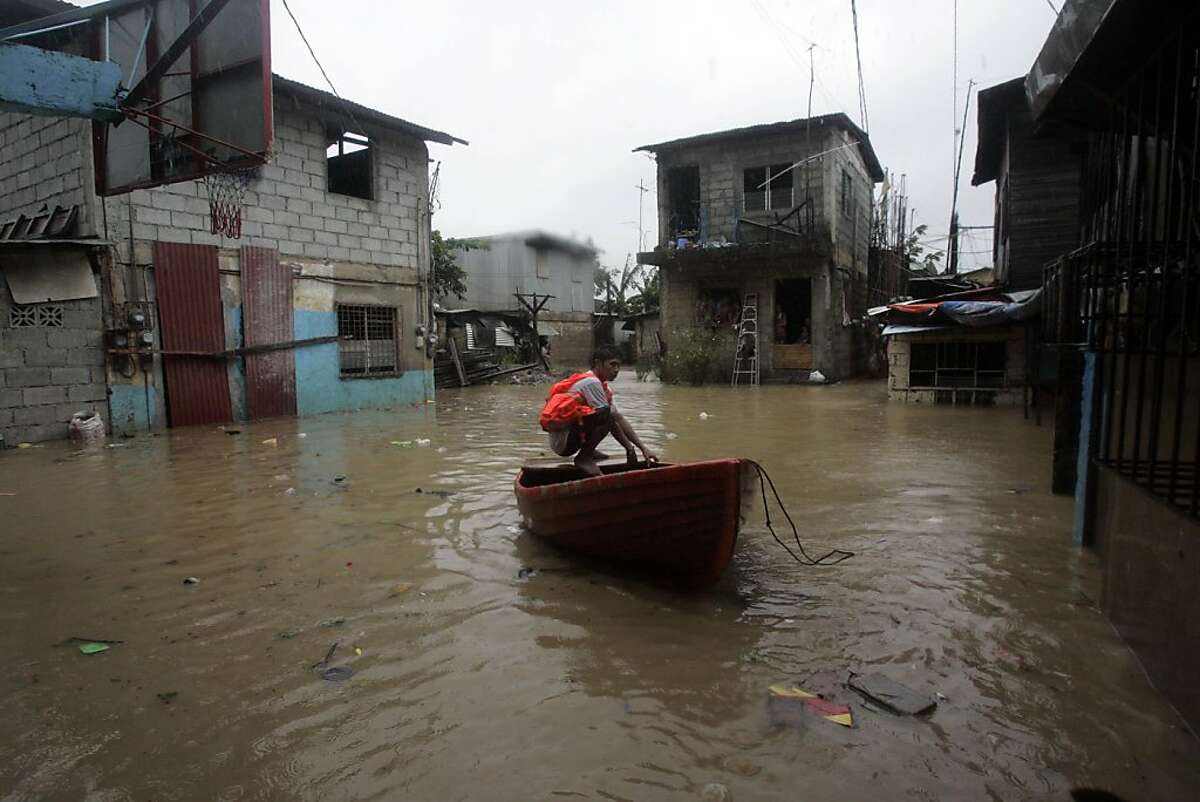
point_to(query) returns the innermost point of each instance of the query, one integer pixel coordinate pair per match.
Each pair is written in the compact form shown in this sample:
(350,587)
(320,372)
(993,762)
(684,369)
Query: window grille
(46,315)
(367,341)
(847,193)
(957,364)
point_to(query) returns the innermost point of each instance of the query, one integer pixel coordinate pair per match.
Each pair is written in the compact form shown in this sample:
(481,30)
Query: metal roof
(349,112)
(995,105)
(835,120)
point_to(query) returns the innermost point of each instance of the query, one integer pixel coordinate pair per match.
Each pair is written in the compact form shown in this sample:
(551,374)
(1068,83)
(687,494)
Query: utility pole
(532,307)
(952,264)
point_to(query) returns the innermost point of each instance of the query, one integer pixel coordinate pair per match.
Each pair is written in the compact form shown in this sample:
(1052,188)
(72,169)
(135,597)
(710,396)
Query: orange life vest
(564,408)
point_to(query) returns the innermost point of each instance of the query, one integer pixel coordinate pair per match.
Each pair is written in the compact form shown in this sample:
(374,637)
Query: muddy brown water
(473,679)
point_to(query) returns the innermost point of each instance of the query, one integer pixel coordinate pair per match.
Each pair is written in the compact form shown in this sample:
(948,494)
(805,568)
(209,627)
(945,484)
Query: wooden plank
(458,365)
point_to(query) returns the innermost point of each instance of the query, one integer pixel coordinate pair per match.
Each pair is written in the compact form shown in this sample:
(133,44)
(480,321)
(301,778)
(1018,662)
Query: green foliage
(632,289)
(448,277)
(699,355)
(918,259)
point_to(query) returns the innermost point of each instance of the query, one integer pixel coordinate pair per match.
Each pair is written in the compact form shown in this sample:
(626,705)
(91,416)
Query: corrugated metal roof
(331,103)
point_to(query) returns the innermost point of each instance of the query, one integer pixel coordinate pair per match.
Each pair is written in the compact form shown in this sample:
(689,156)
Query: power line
(321,67)
(862,93)
(1052,8)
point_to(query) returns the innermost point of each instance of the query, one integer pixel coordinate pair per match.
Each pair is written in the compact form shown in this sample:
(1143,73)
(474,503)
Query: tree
(916,255)
(448,277)
(624,292)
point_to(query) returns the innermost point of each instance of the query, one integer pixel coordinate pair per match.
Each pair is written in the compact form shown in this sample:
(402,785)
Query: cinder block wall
(47,373)
(289,208)
(46,161)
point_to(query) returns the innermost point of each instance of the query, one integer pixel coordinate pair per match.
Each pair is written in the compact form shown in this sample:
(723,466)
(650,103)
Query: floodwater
(473,679)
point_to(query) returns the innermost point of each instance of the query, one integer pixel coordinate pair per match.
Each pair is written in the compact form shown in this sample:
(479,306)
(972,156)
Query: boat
(677,522)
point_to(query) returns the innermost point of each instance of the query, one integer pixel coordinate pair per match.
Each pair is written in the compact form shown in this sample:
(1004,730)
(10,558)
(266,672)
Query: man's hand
(651,457)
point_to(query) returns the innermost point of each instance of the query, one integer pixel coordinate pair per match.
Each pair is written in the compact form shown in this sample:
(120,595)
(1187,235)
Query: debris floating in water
(783,699)
(422,442)
(897,697)
(93,648)
(671,435)
(191,580)
(704,416)
(271,441)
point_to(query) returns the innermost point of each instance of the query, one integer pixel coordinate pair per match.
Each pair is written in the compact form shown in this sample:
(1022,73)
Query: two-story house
(323,304)
(780,211)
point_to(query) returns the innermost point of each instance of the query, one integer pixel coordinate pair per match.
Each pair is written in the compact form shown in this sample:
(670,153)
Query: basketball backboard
(195,92)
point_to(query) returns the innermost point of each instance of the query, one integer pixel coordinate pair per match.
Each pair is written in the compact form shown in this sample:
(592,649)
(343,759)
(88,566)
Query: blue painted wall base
(1084,486)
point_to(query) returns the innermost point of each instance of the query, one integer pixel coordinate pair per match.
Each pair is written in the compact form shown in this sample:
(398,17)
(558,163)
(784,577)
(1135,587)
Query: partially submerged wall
(899,351)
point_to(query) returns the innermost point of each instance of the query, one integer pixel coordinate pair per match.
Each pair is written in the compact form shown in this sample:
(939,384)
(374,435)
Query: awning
(60,274)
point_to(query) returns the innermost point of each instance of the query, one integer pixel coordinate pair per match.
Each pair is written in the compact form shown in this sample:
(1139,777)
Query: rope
(764,479)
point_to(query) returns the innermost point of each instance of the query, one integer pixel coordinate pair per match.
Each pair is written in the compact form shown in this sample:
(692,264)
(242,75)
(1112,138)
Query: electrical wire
(325,75)
(764,479)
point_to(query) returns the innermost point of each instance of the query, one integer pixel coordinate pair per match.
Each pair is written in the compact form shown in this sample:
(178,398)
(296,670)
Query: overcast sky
(554,96)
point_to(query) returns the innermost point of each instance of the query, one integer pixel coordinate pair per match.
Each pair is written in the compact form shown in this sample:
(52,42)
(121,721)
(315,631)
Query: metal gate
(267,320)
(192,325)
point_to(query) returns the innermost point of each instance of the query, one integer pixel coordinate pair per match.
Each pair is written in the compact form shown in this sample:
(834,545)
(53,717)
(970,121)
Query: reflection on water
(473,681)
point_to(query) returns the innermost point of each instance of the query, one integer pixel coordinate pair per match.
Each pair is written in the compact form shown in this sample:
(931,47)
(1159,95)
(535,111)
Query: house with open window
(775,215)
(323,304)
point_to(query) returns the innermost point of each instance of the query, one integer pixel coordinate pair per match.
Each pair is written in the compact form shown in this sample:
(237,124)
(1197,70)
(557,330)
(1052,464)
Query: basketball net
(225,193)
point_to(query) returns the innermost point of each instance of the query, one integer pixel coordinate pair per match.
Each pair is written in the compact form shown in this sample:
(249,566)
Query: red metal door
(267,320)
(191,319)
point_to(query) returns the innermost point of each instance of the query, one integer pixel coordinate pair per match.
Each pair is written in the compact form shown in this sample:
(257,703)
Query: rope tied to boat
(825,560)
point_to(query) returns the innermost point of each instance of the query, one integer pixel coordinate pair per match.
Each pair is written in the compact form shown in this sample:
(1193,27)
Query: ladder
(745,359)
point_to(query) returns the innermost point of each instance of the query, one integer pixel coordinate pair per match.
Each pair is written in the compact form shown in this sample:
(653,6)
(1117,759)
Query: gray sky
(554,96)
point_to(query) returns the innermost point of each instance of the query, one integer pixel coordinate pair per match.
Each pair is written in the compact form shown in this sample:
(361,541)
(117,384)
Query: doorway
(792,324)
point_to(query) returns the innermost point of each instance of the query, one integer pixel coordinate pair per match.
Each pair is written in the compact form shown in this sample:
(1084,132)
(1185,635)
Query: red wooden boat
(676,521)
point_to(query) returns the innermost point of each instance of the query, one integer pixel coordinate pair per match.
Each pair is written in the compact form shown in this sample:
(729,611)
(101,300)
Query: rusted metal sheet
(266,319)
(191,319)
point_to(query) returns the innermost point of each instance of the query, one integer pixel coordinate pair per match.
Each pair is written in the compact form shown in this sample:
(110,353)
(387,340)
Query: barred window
(958,364)
(21,317)
(367,341)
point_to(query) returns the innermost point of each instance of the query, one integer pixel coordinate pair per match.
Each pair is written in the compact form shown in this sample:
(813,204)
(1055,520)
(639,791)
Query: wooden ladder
(745,359)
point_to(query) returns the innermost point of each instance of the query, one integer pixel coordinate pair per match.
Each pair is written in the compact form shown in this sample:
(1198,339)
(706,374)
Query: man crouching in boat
(580,412)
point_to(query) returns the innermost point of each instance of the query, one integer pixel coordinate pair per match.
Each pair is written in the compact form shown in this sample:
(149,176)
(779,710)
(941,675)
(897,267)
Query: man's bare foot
(588,466)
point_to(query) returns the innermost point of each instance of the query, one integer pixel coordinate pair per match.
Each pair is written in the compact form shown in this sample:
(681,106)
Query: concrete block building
(321,305)
(782,211)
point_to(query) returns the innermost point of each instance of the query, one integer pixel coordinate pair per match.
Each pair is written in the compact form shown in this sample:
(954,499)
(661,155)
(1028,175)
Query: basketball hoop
(225,193)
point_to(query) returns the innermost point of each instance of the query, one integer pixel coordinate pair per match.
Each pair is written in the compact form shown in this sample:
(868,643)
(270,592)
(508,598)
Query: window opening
(367,344)
(769,187)
(348,166)
(470,335)
(718,306)
(793,311)
(847,193)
